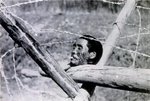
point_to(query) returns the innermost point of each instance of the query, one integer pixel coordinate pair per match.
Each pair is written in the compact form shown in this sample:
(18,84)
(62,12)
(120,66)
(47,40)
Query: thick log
(117,29)
(114,77)
(19,31)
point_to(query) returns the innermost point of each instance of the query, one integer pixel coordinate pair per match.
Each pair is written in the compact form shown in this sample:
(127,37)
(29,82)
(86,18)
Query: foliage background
(57,24)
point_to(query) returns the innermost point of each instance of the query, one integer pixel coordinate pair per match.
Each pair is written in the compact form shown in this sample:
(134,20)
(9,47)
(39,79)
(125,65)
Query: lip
(73,58)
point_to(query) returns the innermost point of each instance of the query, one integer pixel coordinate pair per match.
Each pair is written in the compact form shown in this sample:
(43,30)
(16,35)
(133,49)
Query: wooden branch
(117,28)
(114,77)
(19,31)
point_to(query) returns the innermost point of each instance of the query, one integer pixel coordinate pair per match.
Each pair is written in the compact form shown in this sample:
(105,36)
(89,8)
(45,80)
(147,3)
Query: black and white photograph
(74,50)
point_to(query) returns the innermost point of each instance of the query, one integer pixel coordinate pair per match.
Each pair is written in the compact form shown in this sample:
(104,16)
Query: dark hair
(94,46)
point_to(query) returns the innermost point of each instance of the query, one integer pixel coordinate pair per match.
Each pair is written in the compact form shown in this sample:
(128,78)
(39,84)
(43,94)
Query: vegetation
(57,24)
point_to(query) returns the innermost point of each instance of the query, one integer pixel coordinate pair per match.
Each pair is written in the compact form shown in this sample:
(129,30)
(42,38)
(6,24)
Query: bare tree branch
(21,35)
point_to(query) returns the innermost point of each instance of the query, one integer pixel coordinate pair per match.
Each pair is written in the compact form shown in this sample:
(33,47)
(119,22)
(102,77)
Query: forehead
(82,42)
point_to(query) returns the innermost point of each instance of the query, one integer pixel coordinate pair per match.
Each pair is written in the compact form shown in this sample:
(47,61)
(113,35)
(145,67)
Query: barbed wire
(134,35)
(40,92)
(15,75)
(103,42)
(121,2)
(145,8)
(22,3)
(34,91)
(129,50)
(56,42)
(138,38)
(100,38)
(20,84)
(60,31)
(3,73)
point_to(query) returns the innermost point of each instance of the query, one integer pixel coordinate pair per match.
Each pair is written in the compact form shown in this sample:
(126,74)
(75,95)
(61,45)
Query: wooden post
(113,77)
(117,28)
(19,31)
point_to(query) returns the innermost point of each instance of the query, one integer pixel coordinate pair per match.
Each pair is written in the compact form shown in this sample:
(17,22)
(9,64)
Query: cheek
(84,56)
(85,53)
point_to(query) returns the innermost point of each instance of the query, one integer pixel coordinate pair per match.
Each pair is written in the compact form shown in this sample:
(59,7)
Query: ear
(92,55)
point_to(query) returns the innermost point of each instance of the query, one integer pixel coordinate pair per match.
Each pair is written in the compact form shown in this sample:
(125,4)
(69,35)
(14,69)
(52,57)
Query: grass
(78,21)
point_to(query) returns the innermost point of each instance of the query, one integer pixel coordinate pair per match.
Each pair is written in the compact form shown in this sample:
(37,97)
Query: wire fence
(22,86)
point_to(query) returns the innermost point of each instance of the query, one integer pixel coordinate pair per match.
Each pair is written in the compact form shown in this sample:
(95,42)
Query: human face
(80,54)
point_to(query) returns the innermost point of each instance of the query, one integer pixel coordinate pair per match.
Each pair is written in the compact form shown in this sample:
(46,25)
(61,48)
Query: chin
(73,64)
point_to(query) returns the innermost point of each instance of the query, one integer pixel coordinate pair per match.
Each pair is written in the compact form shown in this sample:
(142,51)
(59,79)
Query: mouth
(73,61)
(73,58)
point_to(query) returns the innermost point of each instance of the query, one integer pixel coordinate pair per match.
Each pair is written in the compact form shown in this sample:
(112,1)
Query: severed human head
(86,50)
